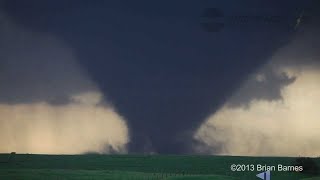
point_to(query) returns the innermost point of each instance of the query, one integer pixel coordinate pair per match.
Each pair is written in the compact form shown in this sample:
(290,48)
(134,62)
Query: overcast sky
(154,73)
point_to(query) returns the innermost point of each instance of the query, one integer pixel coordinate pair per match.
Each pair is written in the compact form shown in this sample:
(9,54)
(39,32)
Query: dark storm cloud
(161,70)
(37,67)
(48,103)
(269,120)
(281,105)
(264,85)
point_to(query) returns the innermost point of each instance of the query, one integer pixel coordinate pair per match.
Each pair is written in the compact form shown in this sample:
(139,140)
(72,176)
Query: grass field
(137,167)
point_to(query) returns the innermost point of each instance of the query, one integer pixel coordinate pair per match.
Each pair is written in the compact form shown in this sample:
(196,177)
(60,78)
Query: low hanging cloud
(48,103)
(275,112)
(76,127)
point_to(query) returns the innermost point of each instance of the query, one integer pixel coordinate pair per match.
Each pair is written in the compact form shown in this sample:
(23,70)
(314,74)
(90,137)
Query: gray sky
(152,64)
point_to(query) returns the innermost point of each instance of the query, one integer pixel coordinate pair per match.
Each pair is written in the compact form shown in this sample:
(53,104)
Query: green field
(139,167)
